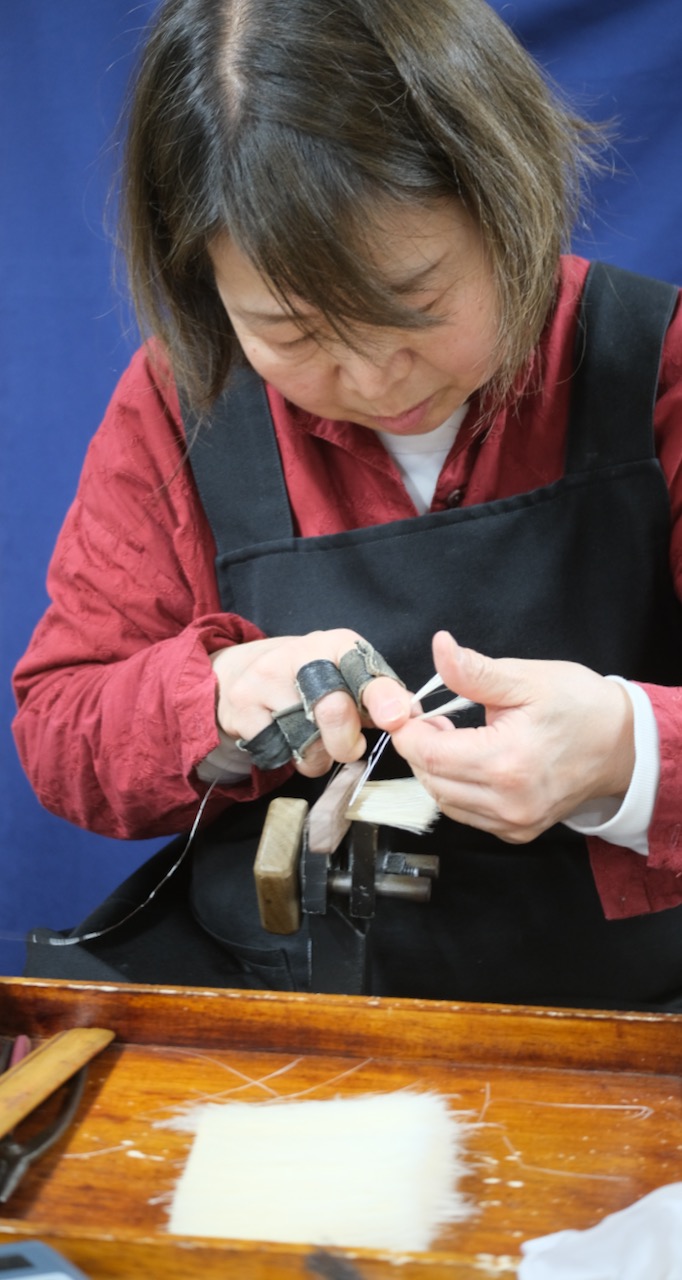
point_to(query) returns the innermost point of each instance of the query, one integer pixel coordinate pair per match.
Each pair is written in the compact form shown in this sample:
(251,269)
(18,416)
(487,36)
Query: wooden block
(276,865)
(328,822)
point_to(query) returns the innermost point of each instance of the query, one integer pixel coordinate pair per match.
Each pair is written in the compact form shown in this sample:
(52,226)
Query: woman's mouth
(408,421)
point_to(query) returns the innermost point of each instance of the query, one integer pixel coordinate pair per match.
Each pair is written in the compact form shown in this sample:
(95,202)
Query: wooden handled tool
(41,1072)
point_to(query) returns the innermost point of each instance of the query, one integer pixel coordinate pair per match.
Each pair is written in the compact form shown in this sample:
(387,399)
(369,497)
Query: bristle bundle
(395,802)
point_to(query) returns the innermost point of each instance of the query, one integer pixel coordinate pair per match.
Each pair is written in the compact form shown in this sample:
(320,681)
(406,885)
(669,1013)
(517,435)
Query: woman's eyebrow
(417,279)
(404,285)
(267,317)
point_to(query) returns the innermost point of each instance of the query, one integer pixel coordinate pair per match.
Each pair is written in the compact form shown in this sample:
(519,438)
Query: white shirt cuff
(627,824)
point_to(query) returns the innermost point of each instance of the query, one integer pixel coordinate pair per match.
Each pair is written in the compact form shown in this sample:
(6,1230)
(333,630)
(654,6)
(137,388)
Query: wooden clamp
(301,858)
(276,868)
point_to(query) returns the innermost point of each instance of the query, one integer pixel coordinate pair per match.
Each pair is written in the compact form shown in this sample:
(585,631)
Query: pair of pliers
(30,1077)
(16,1156)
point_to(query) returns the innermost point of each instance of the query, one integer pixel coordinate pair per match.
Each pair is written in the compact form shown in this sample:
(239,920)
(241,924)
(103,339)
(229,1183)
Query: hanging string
(99,933)
(432,686)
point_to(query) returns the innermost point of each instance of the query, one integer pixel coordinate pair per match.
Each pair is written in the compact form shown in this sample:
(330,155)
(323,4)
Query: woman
(407,416)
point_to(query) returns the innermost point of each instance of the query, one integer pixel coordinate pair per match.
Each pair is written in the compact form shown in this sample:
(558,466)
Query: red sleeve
(628,883)
(116,693)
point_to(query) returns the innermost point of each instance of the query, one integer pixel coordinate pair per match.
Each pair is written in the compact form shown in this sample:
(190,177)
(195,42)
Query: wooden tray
(581,1114)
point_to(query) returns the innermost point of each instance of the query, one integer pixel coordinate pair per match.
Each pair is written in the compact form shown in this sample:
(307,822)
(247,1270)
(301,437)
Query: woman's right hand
(258,678)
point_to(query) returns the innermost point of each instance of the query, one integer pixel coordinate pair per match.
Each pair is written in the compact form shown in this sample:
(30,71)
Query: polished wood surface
(578,1114)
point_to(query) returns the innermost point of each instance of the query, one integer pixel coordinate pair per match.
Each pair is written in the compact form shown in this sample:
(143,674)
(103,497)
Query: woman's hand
(258,678)
(556,734)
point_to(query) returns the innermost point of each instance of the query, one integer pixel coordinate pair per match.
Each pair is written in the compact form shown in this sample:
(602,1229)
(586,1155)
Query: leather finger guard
(287,738)
(360,666)
(268,749)
(297,729)
(315,680)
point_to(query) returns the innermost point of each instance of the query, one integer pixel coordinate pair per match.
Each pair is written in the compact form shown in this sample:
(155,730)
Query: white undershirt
(420,460)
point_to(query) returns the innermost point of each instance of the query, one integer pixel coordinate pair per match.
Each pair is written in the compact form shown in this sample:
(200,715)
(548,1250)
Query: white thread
(433,685)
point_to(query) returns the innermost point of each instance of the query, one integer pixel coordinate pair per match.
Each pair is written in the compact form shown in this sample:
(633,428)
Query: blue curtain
(67,334)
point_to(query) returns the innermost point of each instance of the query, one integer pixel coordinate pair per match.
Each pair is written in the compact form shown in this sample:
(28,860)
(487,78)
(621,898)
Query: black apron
(576,570)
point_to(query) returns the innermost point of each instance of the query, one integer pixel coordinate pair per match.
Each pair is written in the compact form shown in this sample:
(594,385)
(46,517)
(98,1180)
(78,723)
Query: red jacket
(116,693)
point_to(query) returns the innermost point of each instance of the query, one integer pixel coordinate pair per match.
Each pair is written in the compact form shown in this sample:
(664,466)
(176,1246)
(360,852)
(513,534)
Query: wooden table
(581,1114)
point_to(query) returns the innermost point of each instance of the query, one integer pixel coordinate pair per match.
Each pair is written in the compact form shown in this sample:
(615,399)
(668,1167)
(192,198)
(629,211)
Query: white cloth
(642,1242)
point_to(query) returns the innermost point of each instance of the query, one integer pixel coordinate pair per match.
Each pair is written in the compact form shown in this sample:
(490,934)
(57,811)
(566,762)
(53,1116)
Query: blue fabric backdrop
(66,334)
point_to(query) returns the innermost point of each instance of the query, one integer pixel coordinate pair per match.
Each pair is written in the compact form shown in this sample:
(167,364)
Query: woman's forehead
(412,247)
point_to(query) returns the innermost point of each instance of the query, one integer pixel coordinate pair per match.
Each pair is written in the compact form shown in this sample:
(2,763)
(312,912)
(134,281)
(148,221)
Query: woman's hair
(289,124)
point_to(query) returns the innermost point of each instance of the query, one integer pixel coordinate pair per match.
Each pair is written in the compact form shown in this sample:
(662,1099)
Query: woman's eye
(294,344)
(434,306)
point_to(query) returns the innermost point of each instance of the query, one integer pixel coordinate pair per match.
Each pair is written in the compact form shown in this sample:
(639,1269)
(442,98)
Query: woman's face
(404,381)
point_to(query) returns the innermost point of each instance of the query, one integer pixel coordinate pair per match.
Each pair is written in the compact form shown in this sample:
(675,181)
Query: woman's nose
(374,374)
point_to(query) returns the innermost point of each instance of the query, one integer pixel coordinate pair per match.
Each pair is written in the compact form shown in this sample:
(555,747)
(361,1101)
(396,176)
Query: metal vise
(321,863)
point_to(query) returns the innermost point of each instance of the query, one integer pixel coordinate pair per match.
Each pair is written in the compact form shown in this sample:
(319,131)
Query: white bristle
(377,1171)
(395,802)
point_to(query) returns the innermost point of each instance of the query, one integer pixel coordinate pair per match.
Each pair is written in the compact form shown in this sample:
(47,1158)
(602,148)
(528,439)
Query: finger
(516,819)
(388,703)
(501,792)
(315,763)
(440,750)
(338,720)
(493,682)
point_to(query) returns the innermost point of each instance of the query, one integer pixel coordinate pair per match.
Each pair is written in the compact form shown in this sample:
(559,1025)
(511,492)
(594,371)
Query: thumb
(493,682)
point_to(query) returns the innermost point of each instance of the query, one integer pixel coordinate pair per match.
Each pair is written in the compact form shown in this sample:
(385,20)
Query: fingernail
(393,710)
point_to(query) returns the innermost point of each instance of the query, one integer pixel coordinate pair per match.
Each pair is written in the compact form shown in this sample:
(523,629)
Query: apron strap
(237,467)
(621,329)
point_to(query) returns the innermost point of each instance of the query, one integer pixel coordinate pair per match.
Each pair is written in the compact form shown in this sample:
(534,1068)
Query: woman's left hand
(556,735)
